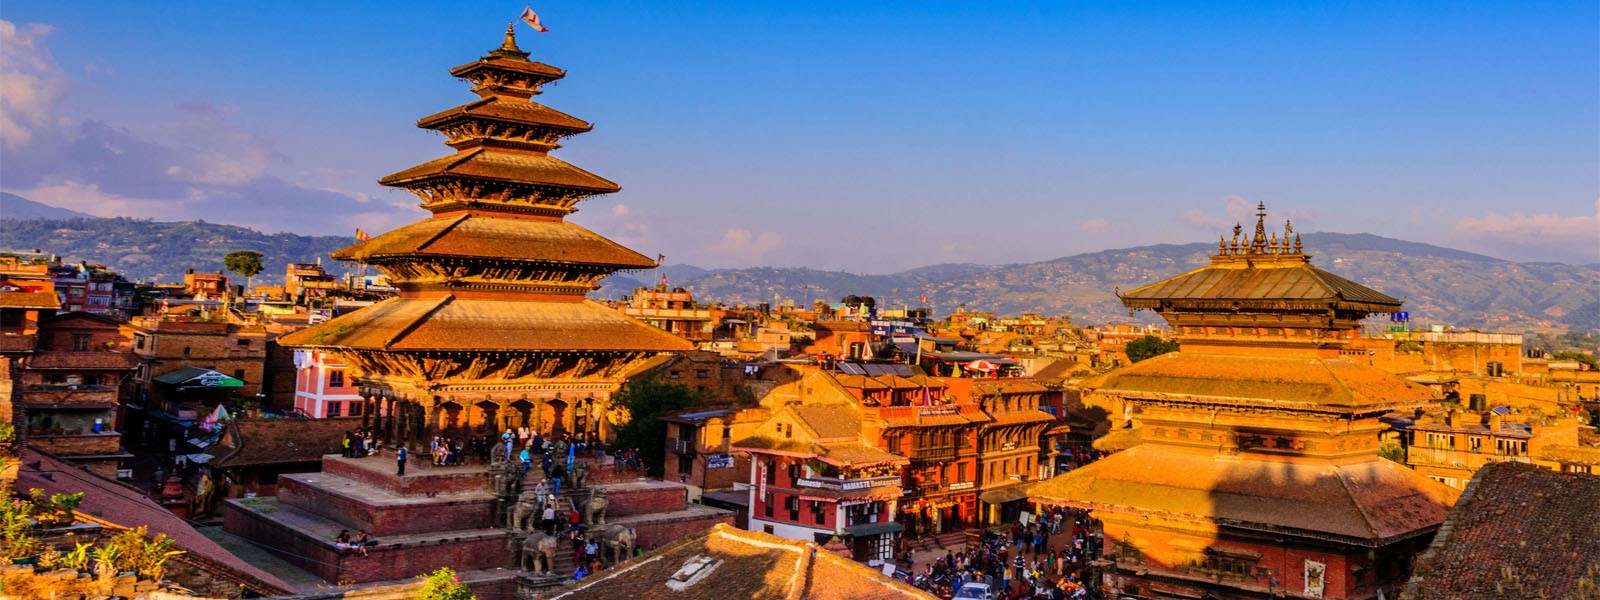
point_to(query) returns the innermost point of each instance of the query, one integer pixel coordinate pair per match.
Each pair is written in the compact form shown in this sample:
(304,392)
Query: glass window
(334,409)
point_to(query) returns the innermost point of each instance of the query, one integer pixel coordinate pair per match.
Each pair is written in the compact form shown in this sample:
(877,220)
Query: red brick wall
(657,534)
(384,562)
(623,503)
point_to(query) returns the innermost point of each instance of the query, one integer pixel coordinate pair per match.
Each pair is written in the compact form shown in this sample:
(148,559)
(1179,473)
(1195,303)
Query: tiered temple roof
(1261,291)
(492,287)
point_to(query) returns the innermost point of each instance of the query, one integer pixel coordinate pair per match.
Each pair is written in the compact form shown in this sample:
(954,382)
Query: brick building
(672,310)
(1450,449)
(699,446)
(72,387)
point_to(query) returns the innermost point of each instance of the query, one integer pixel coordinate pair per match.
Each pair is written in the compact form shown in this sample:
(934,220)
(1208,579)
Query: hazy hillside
(13,206)
(152,251)
(1439,285)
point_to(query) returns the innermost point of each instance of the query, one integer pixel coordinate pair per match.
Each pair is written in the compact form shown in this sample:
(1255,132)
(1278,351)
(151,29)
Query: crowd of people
(1021,563)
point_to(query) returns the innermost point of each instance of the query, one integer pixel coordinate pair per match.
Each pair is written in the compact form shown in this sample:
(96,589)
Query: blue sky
(869,137)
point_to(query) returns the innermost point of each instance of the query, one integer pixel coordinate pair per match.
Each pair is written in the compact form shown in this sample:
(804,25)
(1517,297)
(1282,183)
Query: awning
(1004,495)
(196,377)
(871,529)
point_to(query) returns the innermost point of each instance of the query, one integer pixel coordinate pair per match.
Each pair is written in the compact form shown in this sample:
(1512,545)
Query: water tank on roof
(1478,402)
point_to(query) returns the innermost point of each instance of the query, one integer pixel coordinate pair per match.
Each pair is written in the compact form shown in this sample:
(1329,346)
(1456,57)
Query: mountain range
(1439,285)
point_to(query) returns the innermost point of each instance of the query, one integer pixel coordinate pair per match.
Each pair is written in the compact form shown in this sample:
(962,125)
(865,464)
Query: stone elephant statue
(526,511)
(594,508)
(616,541)
(540,549)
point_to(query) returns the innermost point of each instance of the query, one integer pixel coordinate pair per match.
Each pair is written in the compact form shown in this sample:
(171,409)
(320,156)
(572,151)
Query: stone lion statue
(594,508)
(526,510)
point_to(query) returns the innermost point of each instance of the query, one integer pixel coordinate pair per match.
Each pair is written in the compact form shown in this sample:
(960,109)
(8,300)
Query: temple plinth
(1252,466)
(491,329)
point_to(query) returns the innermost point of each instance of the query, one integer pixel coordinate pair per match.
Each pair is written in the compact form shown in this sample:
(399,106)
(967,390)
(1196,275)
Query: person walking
(400,461)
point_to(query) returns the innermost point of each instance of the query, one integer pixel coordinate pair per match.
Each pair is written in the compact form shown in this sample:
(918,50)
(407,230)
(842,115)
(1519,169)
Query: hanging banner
(1314,576)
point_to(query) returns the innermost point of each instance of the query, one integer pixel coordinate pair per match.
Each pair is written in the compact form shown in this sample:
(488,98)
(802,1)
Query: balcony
(1420,455)
(835,484)
(940,454)
(63,387)
(79,444)
(14,342)
(680,446)
(679,314)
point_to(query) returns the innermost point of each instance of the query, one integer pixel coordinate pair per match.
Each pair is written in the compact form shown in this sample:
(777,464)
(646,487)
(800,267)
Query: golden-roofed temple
(1252,466)
(491,327)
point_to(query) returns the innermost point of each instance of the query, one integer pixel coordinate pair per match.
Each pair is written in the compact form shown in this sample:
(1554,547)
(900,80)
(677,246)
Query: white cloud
(1541,236)
(31,83)
(1095,225)
(748,247)
(619,211)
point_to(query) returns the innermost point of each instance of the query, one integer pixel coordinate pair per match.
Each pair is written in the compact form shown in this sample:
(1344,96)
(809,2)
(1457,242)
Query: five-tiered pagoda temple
(1253,470)
(491,327)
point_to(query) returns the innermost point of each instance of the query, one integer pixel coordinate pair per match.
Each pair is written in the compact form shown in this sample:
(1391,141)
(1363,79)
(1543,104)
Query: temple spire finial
(1298,249)
(1260,240)
(508,47)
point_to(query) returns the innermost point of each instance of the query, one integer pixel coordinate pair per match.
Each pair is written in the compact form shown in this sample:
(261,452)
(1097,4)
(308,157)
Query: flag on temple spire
(362,235)
(532,19)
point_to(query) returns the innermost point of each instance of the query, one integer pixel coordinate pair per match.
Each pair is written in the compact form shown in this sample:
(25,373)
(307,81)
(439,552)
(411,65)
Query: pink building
(323,388)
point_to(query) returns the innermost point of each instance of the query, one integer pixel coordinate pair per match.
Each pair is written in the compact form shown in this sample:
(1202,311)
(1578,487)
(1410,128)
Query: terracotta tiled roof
(741,564)
(39,300)
(1518,532)
(277,441)
(857,454)
(1369,503)
(120,505)
(522,65)
(830,421)
(450,323)
(530,113)
(1251,283)
(500,238)
(1307,382)
(83,360)
(516,167)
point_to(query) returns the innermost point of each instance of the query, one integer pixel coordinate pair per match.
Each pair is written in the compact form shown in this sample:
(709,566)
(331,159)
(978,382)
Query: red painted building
(813,477)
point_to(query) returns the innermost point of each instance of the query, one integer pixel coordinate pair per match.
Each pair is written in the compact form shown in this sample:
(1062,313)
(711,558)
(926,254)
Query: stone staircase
(947,540)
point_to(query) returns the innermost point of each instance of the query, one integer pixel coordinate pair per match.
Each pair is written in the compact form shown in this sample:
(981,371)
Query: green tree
(1392,451)
(1150,346)
(647,399)
(444,584)
(244,262)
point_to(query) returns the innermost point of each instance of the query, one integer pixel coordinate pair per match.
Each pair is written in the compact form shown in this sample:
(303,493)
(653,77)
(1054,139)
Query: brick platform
(422,478)
(357,505)
(306,540)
